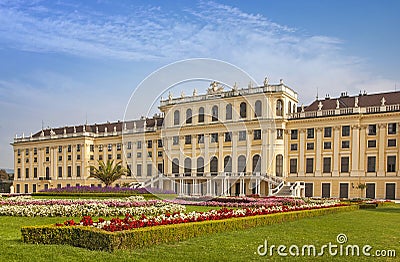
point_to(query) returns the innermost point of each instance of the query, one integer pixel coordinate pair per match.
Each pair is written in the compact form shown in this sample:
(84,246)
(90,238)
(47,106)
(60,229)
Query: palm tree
(108,173)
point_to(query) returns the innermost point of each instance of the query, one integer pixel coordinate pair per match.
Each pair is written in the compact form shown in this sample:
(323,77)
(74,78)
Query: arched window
(176,117)
(188,167)
(200,166)
(228,164)
(243,110)
(290,107)
(241,164)
(257,109)
(214,166)
(189,116)
(279,108)
(279,165)
(175,166)
(214,113)
(256,164)
(228,112)
(201,115)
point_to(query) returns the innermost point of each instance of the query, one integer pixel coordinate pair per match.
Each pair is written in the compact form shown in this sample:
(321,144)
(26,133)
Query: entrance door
(370,191)
(344,190)
(309,189)
(237,189)
(390,190)
(326,190)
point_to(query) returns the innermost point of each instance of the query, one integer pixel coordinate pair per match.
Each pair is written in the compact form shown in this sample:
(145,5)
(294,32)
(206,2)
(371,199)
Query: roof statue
(302,108)
(215,87)
(235,87)
(266,81)
(195,92)
(383,101)
(337,104)
(250,85)
(320,105)
(356,102)
(169,96)
(182,94)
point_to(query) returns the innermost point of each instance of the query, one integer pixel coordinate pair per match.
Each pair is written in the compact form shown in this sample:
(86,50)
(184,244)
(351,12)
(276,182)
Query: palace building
(255,140)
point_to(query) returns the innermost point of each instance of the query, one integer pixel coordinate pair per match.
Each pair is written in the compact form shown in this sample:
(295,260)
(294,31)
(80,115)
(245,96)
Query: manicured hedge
(66,194)
(97,239)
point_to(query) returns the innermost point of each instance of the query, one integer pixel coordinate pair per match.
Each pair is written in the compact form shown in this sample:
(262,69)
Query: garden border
(97,239)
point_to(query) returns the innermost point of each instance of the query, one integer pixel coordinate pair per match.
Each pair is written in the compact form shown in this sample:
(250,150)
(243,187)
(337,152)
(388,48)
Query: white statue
(182,94)
(266,81)
(337,103)
(169,96)
(356,102)
(195,92)
(302,108)
(235,87)
(215,87)
(383,101)
(320,105)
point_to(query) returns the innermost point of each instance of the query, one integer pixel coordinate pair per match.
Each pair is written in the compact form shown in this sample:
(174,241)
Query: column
(221,138)
(206,154)
(381,150)
(355,150)
(264,144)
(336,148)
(234,151)
(318,155)
(361,156)
(301,160)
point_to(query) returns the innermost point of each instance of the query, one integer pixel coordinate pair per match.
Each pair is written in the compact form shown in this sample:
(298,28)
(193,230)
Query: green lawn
(379,228)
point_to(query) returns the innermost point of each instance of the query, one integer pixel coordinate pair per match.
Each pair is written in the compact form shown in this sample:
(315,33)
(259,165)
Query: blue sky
(67,61)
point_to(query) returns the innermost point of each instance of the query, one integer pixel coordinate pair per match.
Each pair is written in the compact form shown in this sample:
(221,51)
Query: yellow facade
(236,142)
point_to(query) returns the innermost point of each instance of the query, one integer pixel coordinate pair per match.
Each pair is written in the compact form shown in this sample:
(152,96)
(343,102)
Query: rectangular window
(129,155)
(327,145)
(279,133)
(35,159)
(118,146)
(372,130)
(109,156)
(391,164)
(327,165)
(129,145)
(118,156)
(326,190)
(60,171)
(26,172)
(35,174)
(78,148)
(109,147)
(35,150)
(100,148)
(344,164)
(69,171)
(27,152)
(309,190)
(47,150)
(69,157)
(100,157)
(346,144)
(139,144)
(391,142)
(310,146)
(293,165)
(228,136)
(310,132)
(59,149)
(59,158)
(149,169)
(200,139)
(309,165)
(345,130)
(149,154)
(149,143)
(175,140)
(159,143)
(371,165)
(138,154)
(371,143)
(69,148)
(293,147)
(139,170)
(257,134)
(328,132)
(214,138)
(78,171)
(91,157)
(78,157)
(242,135)
(188,139)
(159,153)
(47,159)
(293,134)
(19,152)
(392,128)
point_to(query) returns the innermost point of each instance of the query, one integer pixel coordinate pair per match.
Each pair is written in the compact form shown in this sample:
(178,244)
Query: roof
(391,98)
(100,128)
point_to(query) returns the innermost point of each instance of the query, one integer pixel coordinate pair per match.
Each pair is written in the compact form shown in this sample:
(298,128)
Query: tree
(108,173)
(3,175)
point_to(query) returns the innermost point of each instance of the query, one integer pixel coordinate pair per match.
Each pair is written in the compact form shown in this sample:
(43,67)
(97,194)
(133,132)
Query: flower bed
(130,222)
(243,202)
(97,189)
(98,239)
(26,206)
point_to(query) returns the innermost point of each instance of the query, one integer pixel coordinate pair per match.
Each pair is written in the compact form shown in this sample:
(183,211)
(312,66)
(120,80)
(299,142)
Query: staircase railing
(275,190)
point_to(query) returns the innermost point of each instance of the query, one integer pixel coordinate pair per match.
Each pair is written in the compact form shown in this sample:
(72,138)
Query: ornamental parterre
(130,222)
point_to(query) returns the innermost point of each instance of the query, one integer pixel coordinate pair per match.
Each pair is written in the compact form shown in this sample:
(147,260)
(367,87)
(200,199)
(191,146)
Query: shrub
(97,239)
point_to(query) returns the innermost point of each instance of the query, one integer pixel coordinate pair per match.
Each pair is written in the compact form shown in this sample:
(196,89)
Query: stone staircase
(285,191)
